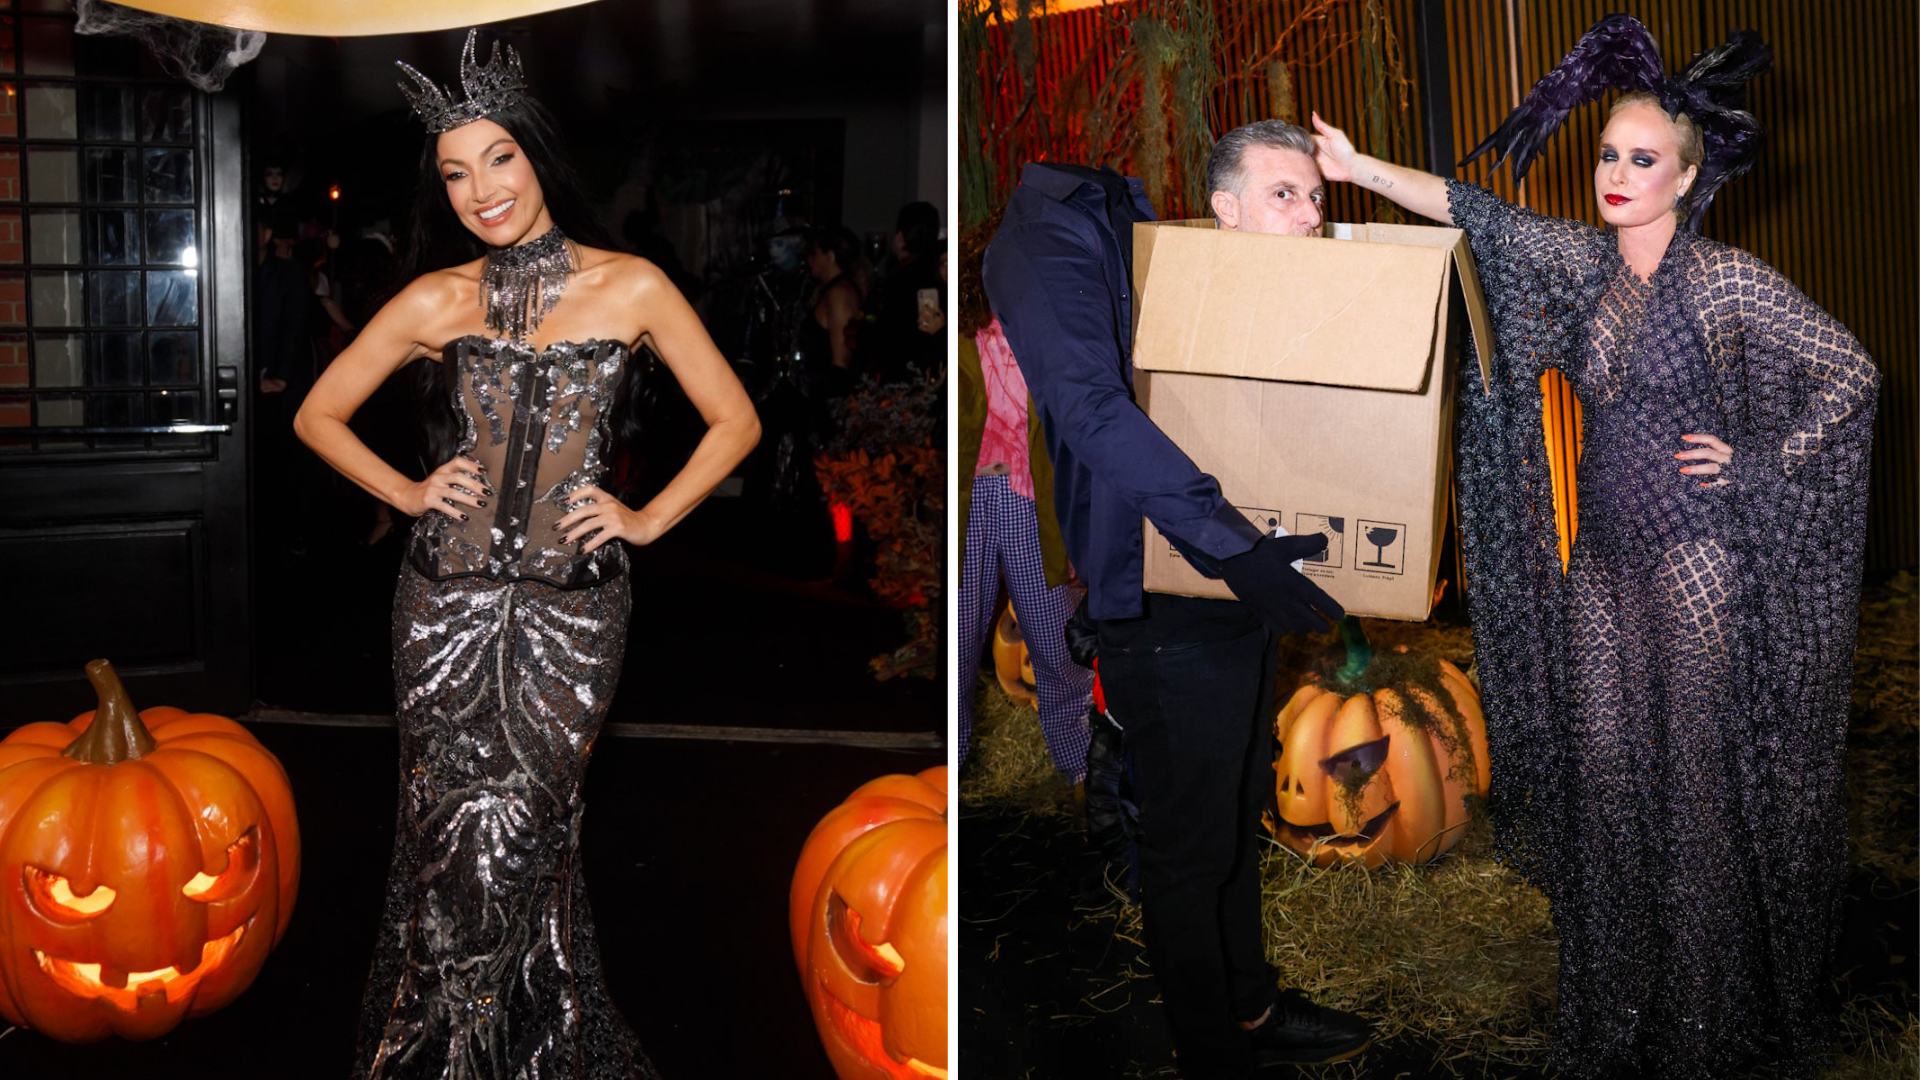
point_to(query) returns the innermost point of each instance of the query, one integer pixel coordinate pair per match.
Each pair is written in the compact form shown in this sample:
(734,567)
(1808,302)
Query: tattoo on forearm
(1381,182)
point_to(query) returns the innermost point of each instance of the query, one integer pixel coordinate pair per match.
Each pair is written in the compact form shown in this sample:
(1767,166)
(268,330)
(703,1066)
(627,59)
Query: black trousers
(1192,682)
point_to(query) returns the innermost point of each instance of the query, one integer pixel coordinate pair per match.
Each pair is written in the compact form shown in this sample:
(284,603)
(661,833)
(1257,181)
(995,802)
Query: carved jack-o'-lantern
(147,867)
(869,916)
(1377,757)
(1012,664)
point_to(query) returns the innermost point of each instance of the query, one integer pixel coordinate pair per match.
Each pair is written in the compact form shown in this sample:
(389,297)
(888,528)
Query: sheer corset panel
(538,423)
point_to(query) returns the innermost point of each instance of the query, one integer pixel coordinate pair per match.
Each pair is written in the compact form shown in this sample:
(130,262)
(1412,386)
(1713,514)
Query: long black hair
(436,239)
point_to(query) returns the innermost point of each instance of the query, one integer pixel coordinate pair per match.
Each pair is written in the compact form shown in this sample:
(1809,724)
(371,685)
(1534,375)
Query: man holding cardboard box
(1191,679)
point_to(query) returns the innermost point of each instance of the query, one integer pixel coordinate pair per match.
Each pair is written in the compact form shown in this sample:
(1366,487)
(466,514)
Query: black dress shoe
(1298,1032)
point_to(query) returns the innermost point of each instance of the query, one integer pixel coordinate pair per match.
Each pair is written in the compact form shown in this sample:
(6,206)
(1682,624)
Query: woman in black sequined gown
(511,613)
(1667,715)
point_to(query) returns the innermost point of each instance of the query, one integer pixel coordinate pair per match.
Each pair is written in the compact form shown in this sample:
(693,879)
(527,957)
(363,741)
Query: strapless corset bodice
(538,420)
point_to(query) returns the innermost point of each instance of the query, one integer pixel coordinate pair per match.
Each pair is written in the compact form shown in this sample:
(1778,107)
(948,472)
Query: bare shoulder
(618,271)
(437,290)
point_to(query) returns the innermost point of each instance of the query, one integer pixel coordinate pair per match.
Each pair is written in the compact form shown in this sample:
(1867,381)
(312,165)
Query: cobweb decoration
(201,53)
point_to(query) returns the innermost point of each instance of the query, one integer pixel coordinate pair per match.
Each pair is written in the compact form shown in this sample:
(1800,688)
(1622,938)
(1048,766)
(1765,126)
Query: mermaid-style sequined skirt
(486,967)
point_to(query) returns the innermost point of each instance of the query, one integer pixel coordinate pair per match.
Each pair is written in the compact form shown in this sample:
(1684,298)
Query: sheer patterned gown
(1668,716)
(507,647)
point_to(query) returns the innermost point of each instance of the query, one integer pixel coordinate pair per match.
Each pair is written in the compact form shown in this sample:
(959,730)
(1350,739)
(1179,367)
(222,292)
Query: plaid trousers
(1003,541)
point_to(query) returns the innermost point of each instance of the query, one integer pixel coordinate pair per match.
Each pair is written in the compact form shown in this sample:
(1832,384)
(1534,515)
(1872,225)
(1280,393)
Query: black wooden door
(123,428)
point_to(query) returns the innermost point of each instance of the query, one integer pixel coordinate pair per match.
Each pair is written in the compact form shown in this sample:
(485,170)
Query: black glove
(1264,579)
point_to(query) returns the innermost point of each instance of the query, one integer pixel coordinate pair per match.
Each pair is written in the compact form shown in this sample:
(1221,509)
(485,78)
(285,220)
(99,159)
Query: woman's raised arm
(1421,192)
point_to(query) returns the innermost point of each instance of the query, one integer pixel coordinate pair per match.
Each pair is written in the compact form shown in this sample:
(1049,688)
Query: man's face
(1281,193)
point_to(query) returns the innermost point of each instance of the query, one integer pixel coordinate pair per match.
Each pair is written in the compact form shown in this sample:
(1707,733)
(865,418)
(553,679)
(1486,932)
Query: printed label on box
(1333,528)
(1381,547)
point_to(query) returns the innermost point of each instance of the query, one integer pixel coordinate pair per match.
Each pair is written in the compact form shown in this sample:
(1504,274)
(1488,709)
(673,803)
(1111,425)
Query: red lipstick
(1617,200)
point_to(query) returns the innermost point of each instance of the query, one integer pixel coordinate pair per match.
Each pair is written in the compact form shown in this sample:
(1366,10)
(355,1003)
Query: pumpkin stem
(1359,652)
(116,734)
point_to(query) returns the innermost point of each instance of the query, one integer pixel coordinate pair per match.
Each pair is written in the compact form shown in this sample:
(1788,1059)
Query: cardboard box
(1313,378)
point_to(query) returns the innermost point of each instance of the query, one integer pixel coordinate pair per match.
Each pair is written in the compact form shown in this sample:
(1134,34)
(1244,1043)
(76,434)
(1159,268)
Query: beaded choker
(521,284)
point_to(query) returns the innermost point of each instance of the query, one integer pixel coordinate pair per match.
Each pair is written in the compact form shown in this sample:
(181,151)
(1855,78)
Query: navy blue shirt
(1056,277)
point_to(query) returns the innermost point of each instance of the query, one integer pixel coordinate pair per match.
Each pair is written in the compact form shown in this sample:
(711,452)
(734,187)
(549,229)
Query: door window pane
(175,407)
(115,360)
(49,44)
(110,175)
(12,251)
(9,30)
(173,357)
(50,112)
(56,236)
(169,176)
(173,298)
(166,115)
(62,410)
(107,113)
(53,175)
(113,237)
(9,173)
(117,410)
(57,300)
(56,360)
(113,298)
(9,109)
(170,238)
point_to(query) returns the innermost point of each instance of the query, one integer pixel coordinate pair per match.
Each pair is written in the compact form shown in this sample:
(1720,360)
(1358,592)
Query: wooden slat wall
(1830,202)
(1081,47)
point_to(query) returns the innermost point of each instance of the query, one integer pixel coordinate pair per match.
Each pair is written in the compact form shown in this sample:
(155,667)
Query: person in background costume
(1667,715)
(1192,679)
(1009,529)
(511,612)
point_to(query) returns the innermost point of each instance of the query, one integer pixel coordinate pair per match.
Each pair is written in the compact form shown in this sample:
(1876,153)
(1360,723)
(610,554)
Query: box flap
(1292,308)
(1455,240)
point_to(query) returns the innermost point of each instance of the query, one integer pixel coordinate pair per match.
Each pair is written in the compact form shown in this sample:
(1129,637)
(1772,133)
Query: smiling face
(490,184)
(1640,176)
(1281,193)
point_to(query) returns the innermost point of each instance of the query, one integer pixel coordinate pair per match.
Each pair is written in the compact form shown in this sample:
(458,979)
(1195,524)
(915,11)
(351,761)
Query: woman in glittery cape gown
(1667,715)
(511,613)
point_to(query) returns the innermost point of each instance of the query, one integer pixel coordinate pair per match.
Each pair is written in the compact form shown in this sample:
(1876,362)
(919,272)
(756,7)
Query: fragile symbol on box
(1333,528)
(1388,544)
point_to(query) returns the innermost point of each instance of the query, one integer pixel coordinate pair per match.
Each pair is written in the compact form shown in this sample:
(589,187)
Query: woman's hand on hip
(1710,455)
(458,483)
(600,517)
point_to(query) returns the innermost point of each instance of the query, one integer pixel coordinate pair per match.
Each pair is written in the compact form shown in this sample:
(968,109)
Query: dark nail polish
(483,502)
(463,517)
(486,491)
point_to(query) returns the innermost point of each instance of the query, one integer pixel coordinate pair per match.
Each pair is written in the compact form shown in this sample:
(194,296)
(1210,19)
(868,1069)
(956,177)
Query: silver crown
(489,87)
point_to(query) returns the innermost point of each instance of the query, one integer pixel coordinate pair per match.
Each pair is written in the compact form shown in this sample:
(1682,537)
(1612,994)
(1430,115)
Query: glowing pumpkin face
(146,868)
(869,917)
(1012,664)
(1376,759)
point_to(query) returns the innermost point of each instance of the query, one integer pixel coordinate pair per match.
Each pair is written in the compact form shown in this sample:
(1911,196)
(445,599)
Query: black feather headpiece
(1619,53)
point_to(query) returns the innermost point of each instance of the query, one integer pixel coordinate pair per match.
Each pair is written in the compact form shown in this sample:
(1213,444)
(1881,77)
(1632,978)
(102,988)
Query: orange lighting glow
(842,521)
(55,894)
(334,192)
(83,980)
(863,1036)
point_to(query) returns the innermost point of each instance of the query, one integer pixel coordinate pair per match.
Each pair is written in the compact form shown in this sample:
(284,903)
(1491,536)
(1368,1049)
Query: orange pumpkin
(1012,664)
(869,916)
(147,866)
(1377,758)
